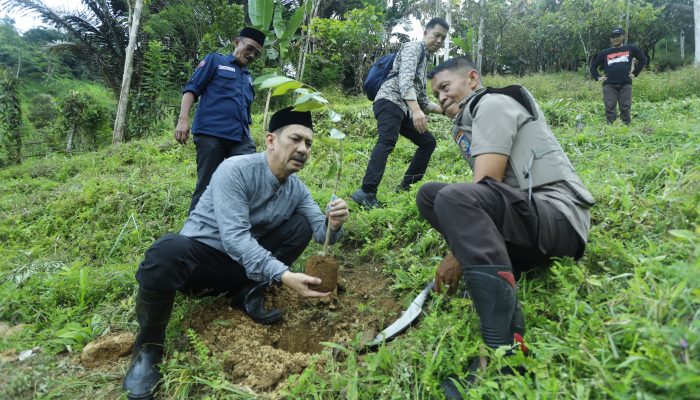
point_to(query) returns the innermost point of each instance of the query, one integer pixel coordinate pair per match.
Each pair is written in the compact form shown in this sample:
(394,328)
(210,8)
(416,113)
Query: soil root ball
(324,267)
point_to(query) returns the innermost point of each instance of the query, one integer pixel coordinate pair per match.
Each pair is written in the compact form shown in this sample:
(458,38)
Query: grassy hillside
(620,323)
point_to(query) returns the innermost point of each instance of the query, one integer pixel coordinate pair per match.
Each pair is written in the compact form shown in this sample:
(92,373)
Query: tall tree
(448,18)
(120,120)
(480,40)
(697,32)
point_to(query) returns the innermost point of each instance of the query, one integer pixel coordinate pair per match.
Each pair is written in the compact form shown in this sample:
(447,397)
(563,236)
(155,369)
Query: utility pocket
(546,165)
(540,165)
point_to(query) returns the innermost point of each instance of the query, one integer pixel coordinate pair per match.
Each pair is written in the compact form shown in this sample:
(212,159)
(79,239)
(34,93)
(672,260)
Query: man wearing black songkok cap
(224,88)
(252,222)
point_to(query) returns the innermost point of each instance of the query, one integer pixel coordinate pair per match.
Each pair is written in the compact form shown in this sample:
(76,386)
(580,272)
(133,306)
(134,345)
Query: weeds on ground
(620,323)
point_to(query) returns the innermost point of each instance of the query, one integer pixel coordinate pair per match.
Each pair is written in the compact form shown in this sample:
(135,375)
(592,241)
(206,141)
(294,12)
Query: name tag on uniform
(227,68)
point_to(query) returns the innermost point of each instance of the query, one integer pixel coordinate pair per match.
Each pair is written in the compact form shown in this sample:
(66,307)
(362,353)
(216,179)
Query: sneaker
(366,200)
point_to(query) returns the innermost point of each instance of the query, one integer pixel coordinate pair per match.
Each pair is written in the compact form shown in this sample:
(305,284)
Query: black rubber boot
(252,301)
(153,310)
(492,290)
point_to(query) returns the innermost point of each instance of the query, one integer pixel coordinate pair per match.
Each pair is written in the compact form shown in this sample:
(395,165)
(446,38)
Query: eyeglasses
(251,49)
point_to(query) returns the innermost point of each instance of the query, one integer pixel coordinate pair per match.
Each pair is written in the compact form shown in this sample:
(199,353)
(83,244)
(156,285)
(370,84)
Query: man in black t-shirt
(617,82)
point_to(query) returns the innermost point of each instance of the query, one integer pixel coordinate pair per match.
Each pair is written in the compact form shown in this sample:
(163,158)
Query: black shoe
(402,188)
(251,301)
(153,310)
(366,200)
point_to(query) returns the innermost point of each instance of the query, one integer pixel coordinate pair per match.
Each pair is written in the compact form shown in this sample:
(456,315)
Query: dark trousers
(614,95)
(177,262)
(392,121)
(490,223)
(211,151)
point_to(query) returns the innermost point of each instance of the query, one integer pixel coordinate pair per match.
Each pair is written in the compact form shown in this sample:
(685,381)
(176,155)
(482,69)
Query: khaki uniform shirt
(493,130)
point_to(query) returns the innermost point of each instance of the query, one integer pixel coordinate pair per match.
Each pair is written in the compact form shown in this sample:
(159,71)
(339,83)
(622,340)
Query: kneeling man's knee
(161,263)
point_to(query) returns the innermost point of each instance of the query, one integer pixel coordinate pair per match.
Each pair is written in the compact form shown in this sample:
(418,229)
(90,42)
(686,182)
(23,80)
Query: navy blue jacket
(225,92)
(617,64)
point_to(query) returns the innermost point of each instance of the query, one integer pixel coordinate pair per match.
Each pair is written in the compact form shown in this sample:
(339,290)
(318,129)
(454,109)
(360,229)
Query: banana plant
(264,12)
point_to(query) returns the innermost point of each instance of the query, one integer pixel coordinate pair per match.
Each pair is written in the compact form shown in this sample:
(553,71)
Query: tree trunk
(69,142)
(480,41)
(682,40)
(302,53)
(314,12)
(585,49)
(474,36)
(448,17)
(697,33)
(627,21)
(119,122)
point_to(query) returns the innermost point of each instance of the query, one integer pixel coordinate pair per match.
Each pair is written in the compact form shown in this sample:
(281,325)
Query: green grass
(620,323)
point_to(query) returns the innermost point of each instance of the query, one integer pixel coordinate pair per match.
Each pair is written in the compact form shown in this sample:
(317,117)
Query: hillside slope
(622,322)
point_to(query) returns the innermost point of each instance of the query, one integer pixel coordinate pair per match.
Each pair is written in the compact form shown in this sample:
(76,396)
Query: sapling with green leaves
(322,265)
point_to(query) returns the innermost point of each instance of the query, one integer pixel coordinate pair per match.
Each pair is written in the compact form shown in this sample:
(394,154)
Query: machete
(407,318)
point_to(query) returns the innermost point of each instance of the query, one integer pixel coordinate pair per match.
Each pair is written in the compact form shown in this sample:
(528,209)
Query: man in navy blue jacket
(617,82)
(224,88)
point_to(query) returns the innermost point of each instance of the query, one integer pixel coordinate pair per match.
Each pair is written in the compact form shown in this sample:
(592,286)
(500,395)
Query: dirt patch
(107,348)
(7,330)
(260,357)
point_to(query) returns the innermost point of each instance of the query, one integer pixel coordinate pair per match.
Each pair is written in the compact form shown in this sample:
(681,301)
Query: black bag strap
(513,91)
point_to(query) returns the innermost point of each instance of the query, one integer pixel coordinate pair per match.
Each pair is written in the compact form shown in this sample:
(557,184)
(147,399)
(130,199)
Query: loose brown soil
(324,267)
(107,348)
(261,357)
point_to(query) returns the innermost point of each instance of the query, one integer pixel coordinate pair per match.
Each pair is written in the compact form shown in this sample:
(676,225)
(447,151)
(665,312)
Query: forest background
(78,213)
(62,84)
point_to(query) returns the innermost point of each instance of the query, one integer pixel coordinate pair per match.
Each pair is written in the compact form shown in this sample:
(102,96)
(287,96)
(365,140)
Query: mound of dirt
(107,348)
(260,357)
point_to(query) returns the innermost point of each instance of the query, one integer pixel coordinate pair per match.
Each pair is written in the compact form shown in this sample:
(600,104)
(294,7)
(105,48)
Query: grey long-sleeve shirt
(245,201)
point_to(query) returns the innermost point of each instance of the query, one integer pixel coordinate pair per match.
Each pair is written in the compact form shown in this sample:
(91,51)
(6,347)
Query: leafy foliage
(340,47)
(10,120)
(149,106)
(83,120)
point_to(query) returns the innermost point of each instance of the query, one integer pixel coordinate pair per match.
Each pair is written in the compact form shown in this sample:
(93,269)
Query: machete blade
(407,318)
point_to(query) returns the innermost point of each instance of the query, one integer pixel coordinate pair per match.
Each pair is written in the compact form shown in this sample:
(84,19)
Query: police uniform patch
(227,68)
(201,64)
(464,146)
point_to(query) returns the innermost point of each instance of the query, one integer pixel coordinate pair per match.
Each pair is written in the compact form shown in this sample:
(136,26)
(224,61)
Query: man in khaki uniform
(525,203)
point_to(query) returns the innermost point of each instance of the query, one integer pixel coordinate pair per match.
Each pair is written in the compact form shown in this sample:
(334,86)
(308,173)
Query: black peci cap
(617,32)
(254,34)
(286,117)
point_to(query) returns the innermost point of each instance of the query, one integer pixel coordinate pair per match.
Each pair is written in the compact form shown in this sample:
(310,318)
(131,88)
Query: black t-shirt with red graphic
(617,64)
